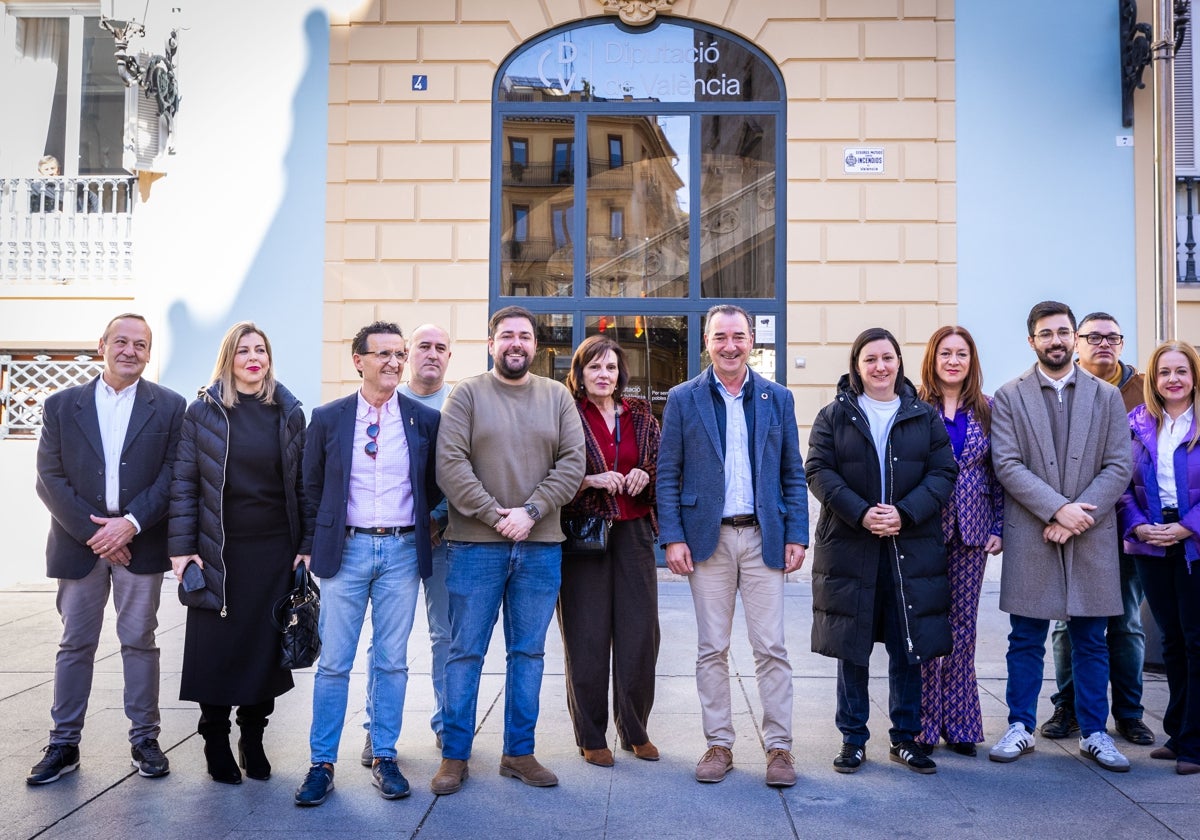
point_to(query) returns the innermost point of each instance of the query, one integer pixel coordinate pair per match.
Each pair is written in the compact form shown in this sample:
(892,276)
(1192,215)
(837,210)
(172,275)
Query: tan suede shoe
(781,771)
(602,757)
(714,764)
(528,770)
(449,777)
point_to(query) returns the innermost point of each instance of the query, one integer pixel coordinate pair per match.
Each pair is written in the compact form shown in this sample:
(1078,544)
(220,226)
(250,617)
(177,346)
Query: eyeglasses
(1114,340)
(384,356)
(372,447)
(1047,335)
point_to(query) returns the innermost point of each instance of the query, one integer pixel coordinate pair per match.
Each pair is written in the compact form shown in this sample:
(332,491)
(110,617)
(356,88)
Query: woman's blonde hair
(1154,400)
(223,370)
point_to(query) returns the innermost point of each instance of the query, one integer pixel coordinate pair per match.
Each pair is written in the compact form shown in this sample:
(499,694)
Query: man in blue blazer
(733,515)
(369,485)
(104,470)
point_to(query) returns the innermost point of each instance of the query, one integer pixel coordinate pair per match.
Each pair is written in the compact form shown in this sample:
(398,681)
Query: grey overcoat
(1042,579)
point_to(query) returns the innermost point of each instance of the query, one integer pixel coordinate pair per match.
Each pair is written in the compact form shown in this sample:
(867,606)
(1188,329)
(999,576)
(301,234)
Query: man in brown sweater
(510,454)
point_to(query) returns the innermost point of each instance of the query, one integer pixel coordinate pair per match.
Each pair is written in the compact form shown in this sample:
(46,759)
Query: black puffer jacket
(842,468)
(196,524)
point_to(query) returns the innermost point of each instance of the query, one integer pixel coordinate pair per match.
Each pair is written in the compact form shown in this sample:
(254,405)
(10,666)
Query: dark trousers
(250,716)
(904,680)
(608,612)
(1174,598)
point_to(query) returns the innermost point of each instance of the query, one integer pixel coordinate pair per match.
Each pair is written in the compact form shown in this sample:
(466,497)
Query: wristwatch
(533,511)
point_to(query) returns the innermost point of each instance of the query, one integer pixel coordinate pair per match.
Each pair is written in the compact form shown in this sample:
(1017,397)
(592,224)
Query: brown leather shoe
(528,770)
(450,777)
(602,757)
(714,764)
(646,751)
(1163,754)
(1186,768)
(781,771)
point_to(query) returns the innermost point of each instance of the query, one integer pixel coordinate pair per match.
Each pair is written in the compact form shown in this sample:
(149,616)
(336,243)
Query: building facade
(828,164)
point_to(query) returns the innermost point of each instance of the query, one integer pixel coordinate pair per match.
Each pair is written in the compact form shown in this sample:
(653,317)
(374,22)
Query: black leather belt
(383,532)
(746,520)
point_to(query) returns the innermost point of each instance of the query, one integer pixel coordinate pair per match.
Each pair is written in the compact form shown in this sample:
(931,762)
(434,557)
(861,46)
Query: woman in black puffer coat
(881,465)
(236,503)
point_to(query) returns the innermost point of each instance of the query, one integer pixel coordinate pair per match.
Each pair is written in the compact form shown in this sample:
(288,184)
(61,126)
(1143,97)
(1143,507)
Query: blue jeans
(1126,651)
(1089,660)
(437,614)
(382,571)
(524,578)
(904,679)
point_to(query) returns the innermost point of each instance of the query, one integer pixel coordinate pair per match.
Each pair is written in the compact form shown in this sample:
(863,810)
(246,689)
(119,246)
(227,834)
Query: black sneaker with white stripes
(910,754)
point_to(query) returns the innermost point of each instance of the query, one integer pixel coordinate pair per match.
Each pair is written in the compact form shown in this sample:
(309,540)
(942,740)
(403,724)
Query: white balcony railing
(76,231)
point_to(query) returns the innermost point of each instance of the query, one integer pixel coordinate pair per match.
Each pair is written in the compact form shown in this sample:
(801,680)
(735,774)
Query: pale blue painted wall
(1045,196)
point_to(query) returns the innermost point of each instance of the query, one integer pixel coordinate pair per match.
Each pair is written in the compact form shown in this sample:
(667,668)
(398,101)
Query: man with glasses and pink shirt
(369,486)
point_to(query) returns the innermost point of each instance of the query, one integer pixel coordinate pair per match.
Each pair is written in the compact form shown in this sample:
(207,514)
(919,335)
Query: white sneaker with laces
(1100,748)
(1014,743)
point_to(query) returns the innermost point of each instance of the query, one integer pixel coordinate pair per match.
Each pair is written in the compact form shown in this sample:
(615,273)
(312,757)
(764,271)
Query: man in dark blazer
(369,485)
(733,515)
(104,469)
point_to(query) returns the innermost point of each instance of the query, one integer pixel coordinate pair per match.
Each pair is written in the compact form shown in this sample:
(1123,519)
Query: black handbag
(296,615)
(587,536)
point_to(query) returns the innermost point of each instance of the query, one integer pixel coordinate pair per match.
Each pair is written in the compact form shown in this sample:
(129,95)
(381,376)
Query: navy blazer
(328,456)
(691,469)
(71,482)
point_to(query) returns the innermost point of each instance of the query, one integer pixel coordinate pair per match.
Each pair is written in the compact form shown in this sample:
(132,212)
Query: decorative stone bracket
(637,12)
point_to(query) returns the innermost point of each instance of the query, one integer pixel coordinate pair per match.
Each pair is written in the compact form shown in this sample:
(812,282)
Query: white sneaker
(1099,746)
(1013,744)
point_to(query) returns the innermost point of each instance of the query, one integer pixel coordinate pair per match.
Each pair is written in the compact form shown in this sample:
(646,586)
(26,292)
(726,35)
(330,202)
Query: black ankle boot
(251,756)
(219,756)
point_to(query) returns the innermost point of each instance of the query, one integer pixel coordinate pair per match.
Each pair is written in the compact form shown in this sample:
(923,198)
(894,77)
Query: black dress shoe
(849,759)
(1135,732)
(963,748)
(1062,724)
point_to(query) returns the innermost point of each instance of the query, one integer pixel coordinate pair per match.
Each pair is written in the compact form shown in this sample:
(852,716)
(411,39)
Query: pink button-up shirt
(381,493)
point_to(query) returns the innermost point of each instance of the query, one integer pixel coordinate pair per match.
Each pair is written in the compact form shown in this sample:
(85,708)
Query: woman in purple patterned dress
(972,524)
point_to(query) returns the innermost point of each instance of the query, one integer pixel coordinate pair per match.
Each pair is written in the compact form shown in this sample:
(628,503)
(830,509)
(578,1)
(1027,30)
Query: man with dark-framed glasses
(369,485)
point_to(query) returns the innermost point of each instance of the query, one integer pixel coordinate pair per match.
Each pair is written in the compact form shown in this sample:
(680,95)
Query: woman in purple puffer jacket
(1160,519)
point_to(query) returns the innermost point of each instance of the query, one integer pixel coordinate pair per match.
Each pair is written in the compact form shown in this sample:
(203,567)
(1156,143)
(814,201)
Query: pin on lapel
(411,422)
(763,395)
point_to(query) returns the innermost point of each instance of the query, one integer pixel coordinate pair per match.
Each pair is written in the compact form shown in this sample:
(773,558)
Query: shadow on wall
(282,290)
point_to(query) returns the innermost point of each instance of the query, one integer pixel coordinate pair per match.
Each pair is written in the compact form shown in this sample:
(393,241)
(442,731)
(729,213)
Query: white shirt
(739,486)
(880,416)
(1058,384)
(1170,435)
(113,410)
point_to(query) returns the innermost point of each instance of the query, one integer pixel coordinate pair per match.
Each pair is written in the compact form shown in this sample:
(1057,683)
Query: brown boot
(714,764)
(646,751)
(449,777)
(602,757)
(528,770)
(781,771)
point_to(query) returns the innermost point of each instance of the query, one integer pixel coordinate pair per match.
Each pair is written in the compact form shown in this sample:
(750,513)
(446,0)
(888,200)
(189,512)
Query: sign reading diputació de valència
(860,161)
(670,63)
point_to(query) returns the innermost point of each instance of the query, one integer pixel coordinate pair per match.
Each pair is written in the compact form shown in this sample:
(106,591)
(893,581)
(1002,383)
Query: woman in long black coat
(236,503)
(881,465)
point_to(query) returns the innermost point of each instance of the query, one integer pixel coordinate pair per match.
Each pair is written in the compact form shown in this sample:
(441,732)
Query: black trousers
(608,613)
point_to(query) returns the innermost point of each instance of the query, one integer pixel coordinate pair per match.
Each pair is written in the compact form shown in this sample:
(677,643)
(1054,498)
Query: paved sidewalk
(1052,793)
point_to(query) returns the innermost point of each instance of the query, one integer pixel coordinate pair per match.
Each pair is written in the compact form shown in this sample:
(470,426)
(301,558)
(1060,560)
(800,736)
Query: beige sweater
(505,446)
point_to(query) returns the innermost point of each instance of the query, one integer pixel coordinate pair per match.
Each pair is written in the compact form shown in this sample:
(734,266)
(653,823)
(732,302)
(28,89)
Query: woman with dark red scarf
(608,604)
